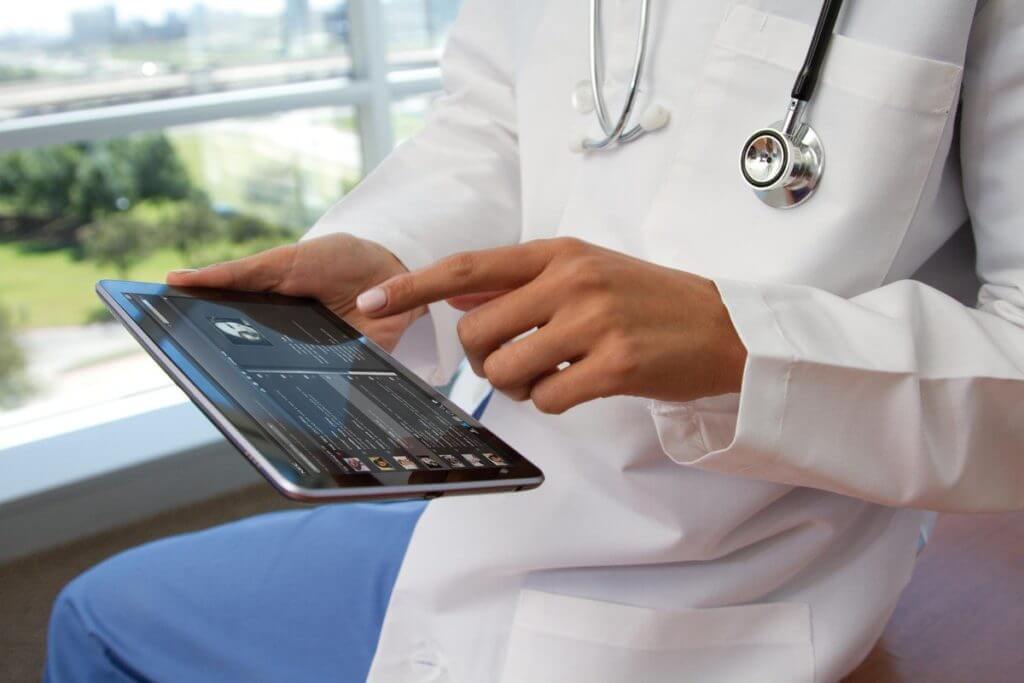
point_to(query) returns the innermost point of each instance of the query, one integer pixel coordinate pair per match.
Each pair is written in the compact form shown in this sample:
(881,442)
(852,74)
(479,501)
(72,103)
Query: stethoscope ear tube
(615,132)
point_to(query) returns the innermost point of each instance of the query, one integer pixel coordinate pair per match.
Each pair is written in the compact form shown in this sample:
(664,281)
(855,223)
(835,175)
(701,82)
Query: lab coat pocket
(882,116)
(558,638)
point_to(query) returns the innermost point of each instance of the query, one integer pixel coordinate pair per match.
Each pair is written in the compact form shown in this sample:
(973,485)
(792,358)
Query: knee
(72,644)
(66,615)
(92,613)
(78,601)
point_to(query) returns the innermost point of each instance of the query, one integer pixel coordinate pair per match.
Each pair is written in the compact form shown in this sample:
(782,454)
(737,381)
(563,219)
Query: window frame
(114,435)
(371,89)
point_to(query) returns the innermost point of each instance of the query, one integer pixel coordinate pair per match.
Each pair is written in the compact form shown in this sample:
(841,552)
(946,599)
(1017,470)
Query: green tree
(13,385)
(192,225)
(69,185)
(156,212)
(105,181)
(245,227)
(158,169)
(38,182)
(17,73)
(119,240)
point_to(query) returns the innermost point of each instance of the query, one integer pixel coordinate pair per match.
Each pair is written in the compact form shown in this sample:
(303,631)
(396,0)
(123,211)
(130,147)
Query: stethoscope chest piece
(783,163)
(783,169)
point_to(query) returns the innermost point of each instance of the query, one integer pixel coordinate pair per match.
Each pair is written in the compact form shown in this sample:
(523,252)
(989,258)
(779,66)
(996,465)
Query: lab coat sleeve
(900,396)
(454,186)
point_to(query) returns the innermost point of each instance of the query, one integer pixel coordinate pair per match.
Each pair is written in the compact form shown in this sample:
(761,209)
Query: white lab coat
(763,536)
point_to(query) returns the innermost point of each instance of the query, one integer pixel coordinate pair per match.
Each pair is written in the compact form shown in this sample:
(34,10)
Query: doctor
(742,409)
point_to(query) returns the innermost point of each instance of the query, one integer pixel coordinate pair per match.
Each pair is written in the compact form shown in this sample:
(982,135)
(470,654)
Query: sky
(52,17)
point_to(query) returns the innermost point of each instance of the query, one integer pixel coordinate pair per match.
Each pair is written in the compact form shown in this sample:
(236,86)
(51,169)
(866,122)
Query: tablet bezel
(263,451)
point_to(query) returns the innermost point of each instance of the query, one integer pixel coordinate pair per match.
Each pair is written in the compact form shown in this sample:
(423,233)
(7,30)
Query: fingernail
(372,300)
(183,271)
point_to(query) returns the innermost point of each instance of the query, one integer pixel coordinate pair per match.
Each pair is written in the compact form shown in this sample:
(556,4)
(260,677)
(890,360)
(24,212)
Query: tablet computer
(320,410)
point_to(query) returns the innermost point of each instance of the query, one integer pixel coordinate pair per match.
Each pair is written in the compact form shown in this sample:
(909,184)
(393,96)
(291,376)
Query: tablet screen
(337,407)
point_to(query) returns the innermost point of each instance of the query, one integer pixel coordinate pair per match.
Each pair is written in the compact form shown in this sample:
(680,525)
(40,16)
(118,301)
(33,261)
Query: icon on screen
(474,460)
(431,462)
(357,465)
(406,463)
(240,332)
(381,463)
(452,461)
(496,459)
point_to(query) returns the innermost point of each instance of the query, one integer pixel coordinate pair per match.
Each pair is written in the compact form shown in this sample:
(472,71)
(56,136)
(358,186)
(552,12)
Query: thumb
(262,272)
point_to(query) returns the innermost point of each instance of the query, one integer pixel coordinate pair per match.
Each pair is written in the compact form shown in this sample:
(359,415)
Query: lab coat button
(583,98)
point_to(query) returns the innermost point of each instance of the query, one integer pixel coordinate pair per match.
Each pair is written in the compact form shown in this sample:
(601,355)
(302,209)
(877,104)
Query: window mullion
(370,66)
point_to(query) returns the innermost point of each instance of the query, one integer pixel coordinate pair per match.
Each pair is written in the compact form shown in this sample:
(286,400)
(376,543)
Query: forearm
(901,396)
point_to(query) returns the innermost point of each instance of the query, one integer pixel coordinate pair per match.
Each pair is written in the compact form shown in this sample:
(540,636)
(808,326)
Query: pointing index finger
(470,272)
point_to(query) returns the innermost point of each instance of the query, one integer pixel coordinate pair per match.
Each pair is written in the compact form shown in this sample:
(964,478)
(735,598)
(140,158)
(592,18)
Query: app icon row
(429,462)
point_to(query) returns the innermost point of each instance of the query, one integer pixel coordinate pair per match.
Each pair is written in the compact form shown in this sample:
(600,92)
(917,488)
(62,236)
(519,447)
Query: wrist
(730,351)
(734,360)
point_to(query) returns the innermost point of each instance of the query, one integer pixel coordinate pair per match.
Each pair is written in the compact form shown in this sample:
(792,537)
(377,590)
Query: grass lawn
(50,288)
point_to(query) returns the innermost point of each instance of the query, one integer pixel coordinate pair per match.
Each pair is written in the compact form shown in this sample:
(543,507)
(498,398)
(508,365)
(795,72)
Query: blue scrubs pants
(289,596)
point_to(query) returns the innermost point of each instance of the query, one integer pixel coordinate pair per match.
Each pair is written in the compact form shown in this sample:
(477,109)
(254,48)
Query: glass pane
(409,115)
(417,29)
(72,214)
(58,55)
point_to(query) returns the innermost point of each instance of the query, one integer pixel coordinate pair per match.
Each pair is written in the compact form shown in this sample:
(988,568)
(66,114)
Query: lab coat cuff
(430,346)
(736,434)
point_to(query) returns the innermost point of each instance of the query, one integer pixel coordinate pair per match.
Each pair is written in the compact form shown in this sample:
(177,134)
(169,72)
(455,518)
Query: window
(138,137)
(408,116)
(286,169)
(416,29)
(67,54)
(219,190)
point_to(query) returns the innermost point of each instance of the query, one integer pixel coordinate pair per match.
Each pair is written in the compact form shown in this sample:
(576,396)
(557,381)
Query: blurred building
(418,23)
(94,25)
(440,16)
(296,27)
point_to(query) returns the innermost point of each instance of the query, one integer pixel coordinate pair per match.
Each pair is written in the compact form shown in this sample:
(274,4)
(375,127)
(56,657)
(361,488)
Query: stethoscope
(782,163)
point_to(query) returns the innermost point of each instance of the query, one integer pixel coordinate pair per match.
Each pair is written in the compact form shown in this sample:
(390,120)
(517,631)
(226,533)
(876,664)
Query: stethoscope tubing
(807,77)
(617,134)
